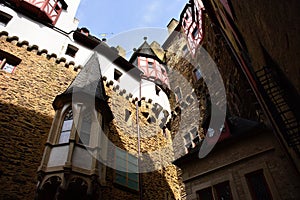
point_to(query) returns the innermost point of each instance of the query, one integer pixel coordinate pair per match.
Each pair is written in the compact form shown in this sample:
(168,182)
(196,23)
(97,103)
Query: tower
(154,80)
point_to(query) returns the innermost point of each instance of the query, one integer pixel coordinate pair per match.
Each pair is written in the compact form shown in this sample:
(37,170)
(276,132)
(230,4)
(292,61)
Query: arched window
(66,127)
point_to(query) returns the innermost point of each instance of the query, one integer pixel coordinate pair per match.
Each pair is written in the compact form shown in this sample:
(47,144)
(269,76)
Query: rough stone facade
(231,160)
(26,116)
(260,148)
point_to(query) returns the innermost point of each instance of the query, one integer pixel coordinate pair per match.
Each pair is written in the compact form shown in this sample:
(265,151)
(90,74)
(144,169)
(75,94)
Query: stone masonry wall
(26,116)
(155,144)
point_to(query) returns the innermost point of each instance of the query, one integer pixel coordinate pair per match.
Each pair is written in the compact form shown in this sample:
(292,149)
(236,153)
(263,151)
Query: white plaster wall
(44,37)
(67,20)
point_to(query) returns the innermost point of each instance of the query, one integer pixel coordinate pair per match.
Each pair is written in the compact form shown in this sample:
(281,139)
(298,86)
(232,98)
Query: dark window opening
(195,32)
(8,62)
(185,49)
(205,194)
(223,191)
(258,185)
(178,93)
(197,74)
(127,114)
(117,75)
(4,18)
(157,90)
(71,50)
(150,64)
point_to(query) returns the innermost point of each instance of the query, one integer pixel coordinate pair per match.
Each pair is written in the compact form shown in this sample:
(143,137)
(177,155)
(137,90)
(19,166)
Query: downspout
(139,143)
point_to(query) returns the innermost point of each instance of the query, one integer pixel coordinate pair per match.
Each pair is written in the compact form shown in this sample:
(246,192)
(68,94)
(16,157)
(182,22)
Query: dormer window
(66,127)
(71,50)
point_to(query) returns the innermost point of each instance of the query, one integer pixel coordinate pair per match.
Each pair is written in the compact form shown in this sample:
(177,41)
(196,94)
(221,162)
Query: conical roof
(87,87)
(146,51)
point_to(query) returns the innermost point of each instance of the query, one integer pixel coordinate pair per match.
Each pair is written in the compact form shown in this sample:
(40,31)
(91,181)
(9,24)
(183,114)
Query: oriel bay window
(126,174)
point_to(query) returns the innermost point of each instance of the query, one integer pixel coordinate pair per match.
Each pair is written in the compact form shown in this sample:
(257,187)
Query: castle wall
(26,116)
(27,113)
(159,177)
(233,160)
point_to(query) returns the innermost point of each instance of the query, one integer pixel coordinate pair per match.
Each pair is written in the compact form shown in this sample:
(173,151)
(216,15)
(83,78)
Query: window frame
(264,181)
(8,59)
(62,125)
(126,174)
(71,50)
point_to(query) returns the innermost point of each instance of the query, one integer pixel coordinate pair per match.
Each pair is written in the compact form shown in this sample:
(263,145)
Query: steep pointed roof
(146,51)
(89,79)
(87,87)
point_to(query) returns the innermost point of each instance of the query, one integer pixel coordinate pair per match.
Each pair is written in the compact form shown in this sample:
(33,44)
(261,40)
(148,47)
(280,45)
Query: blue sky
(118,16)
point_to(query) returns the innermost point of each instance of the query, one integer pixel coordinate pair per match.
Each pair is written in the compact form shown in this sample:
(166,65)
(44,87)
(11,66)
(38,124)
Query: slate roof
(87,87)
(144,50)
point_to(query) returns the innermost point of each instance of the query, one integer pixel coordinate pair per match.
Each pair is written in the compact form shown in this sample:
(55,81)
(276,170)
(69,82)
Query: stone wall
(26,115)
(246,154)
(155,143)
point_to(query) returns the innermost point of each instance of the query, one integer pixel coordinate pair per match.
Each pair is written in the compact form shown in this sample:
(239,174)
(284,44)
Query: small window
(157,90)
(150,64)
(205,194)
(4,18)
(194,132)
(195,32)
(6,66)
(127,170)
(218,191)
(71,50)
(178,93)
(185,49)
(197,74)
(85,128)
(223,191)
(8,62)
(66,127)
(258,185)
(117,75)
(127,114)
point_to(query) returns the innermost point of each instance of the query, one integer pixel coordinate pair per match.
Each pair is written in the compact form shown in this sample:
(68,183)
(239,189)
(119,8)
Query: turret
(154,80)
